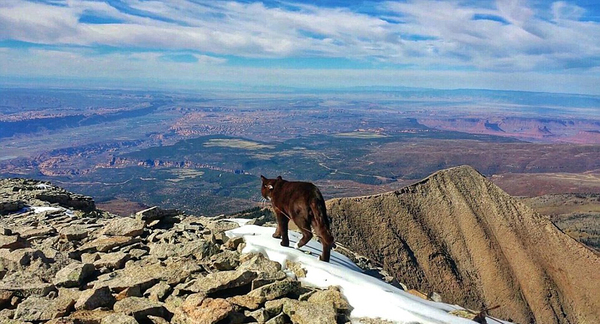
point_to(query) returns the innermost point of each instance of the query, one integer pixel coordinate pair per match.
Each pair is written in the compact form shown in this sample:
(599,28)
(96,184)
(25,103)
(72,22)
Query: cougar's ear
(279,178)
(270,187)
(263,177)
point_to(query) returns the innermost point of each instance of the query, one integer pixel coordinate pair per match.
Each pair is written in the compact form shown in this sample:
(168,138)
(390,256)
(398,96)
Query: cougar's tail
(321,221)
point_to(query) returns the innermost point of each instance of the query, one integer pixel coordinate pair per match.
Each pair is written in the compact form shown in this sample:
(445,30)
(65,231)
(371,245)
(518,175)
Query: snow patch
(369,296)
(42,209)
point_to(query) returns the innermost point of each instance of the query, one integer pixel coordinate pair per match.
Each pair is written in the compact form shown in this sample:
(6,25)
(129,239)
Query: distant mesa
(458,234)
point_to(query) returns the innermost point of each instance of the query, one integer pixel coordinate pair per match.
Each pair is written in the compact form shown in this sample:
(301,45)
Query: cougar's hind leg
(304,227)
(326,241)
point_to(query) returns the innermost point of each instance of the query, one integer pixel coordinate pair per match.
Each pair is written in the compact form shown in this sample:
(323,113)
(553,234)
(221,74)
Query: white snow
(45,209)
(369,296)
(41,209)
(43,186)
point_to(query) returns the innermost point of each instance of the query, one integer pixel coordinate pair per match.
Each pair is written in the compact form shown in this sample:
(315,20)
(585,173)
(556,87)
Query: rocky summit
(63,261)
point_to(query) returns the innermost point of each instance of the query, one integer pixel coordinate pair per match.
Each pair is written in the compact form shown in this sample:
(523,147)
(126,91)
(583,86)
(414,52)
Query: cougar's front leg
(283,222)
(278,218)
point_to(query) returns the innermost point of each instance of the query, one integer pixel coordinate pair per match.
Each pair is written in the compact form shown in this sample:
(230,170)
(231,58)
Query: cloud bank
(134,39)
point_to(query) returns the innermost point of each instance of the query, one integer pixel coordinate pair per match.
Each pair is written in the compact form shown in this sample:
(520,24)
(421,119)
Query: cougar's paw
(285,243)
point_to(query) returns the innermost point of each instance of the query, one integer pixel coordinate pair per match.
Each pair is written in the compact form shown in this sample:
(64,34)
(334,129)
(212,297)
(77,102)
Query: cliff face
(458,234)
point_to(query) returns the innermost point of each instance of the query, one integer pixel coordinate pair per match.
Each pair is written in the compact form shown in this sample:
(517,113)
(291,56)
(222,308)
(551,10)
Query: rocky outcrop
(67,265)
(458,234)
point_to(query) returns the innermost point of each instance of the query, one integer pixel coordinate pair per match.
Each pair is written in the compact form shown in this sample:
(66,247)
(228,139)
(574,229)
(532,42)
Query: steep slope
(458,234)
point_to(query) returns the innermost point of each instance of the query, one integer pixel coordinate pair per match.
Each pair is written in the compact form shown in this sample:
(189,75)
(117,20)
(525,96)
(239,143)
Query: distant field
(578,215)
(236,143)
(363,135)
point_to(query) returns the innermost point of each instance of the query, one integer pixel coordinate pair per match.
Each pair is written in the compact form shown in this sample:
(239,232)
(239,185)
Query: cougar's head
(267,186)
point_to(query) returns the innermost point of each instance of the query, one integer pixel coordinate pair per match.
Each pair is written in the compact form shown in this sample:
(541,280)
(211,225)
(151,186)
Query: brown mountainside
(458,234)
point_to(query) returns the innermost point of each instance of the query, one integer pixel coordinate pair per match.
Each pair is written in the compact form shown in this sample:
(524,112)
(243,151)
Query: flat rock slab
(25,284)
(144,276)
(37,232)
(155,213)
(74,232)
(43,309)
(107,243)
(114,260)
(125,226)
(220,280)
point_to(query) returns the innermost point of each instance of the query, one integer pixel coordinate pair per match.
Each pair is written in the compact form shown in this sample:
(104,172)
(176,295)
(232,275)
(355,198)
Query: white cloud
(511,36)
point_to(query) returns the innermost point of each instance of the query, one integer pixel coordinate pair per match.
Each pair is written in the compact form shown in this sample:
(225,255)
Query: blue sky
(549,46)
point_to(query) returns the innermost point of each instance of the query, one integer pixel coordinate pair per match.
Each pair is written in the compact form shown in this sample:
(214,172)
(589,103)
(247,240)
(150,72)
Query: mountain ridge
(458,234)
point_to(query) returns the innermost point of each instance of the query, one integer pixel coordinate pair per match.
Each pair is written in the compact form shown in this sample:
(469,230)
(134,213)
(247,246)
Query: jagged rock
(219,228)
(436,297)
(114,260)
(226,260)
(302,312)
(232,244)
(158,292)
(106,243)
(74,232)
(203,310)
(155,213)
(220,280)
(199,249)
(90,257)
(140,308)
(94,298)
(73,274)
(261,265)
(118,319)
(43,309)
(12,242)
(331,297)
(124,226)
(296,268)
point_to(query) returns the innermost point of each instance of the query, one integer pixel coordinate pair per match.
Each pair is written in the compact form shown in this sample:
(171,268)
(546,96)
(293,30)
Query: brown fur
(303,203)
